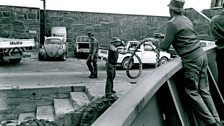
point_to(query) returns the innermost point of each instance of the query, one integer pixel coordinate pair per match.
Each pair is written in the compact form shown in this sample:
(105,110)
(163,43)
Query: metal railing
(158,99)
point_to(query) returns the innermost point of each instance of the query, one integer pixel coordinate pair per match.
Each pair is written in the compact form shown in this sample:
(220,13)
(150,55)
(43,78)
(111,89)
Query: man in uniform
(113,52)
(217,29)
(180,33)
(93,56)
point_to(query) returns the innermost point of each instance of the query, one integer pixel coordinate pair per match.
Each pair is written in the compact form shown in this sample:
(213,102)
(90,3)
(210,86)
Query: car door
(148,53)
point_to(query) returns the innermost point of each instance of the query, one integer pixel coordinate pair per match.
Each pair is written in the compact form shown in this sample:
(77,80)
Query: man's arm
(216,28)
(169,37)
(95,46)
(113,48)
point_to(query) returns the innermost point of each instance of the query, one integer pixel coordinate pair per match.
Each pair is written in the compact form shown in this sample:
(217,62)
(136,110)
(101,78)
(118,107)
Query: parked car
(12,50)
(146,52)
(81,45)
(53,48)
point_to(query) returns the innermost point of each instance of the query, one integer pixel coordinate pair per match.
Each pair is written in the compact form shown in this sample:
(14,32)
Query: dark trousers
(111,72)
(92,64)
(220,65)
(197,89)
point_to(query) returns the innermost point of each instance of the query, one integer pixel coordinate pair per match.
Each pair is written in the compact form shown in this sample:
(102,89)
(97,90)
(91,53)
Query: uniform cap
(90,34)
(177,5)
(115,39)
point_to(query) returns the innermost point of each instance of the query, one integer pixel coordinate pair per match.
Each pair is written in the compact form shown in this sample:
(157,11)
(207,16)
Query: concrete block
(94,91)
(62,107)
(45,112)
(79,99)
(25,117)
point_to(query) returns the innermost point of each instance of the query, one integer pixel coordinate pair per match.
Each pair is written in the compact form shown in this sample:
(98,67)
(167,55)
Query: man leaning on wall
(181,35)
(217,29)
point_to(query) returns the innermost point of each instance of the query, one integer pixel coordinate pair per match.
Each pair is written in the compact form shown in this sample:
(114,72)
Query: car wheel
(14,61)
(162,60)
(75,53)
(40,57)
(125,63)
(63,57)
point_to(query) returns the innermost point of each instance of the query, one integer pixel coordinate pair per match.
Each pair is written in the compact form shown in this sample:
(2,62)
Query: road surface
(31,72)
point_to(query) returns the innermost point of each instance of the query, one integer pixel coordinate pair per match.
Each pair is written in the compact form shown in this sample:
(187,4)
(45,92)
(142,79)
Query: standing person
(217,29)
(180,33)
(112,57)
(93,56)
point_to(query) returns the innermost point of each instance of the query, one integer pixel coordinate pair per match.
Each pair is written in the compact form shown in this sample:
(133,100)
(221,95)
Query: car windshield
(83,39)
(53,41)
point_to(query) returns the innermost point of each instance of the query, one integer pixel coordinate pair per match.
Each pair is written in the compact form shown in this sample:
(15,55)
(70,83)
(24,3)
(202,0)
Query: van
(59,32)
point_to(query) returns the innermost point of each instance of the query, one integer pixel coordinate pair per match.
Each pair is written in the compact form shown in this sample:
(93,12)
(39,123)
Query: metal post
(44,5)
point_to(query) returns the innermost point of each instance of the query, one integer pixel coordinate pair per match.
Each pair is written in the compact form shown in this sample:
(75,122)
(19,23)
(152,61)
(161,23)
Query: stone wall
(19,22)
(212,12)
(201,23)
(22,22)
(104,26)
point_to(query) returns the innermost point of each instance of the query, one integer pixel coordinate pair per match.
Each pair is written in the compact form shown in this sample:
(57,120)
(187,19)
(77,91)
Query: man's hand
(120,51)
(146,39)
(155,42)
(92,57)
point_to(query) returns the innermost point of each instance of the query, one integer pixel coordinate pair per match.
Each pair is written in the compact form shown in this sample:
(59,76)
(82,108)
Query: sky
(139,7)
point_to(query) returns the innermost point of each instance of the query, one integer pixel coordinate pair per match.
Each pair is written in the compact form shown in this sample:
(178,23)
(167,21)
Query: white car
(146,52)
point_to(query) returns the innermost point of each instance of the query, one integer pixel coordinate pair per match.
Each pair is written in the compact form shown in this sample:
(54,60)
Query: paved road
(31,72)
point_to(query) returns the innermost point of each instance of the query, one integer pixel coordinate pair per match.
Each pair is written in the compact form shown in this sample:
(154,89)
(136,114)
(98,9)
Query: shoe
(113,96)
(93,76)
(108,95)
(113,91)
(90,76)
